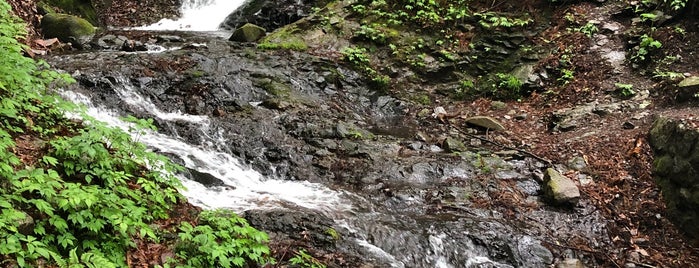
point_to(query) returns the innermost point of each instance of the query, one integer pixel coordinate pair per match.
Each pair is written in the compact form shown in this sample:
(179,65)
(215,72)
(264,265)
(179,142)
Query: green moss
(284,38)
(67,28)
(423,99)
(248,33)
(273,87)
(297,45)
(80,8)
(333,233)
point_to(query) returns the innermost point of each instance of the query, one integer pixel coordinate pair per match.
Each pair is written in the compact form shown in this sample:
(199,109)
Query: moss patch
(67,28)
(80,8)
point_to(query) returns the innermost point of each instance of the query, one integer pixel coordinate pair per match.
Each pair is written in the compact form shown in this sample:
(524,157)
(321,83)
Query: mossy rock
(67,28)
(80,8)
(248,33)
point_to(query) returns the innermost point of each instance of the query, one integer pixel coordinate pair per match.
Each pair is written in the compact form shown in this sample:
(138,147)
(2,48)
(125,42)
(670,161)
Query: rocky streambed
(415,192)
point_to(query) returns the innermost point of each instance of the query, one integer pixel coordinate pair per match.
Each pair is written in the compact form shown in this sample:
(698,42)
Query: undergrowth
(79,193)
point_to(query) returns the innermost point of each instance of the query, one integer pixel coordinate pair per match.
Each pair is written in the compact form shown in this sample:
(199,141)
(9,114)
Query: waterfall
(197,15)
(244,188)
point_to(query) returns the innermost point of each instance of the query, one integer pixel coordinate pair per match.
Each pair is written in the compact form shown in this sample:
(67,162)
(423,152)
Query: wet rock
(111,41)
(195,105)
(675,168)
(247,33)
(169,39)
(67,28)
(277,104)
(204,178)
(270,14)
(133,45)
(486,122)
(570,263)
(536,254)
(296,225)
(577,163)
(453,145)
(560,189)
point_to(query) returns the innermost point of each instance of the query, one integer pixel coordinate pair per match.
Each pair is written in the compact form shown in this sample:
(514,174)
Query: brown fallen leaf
(46,42)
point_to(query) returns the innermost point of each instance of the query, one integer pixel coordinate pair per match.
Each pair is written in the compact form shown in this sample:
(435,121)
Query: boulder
(676,169)
(485,122)
(204,178)
(270,14)
(688,88)
(67,28)
(248,33)
(560,189)
(453,145)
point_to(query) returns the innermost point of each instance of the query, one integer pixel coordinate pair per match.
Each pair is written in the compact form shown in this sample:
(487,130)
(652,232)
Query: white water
(197,15)
(245,188)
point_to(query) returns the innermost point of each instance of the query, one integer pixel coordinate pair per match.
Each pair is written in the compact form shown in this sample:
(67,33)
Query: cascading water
(197,15)
(244,188)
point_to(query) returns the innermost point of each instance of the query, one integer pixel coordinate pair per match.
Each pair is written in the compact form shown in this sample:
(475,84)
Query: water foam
(197,15)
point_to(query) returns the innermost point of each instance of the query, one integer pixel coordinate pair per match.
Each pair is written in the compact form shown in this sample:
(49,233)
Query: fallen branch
(548,163)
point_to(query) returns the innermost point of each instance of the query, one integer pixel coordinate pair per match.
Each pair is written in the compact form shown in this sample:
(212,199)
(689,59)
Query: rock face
(560,189)
(270,14)
(67,28)
(675,168)
(248,33)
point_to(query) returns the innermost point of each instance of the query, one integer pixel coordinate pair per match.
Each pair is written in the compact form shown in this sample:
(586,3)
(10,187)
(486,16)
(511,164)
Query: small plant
(356,56)
(465,87)
(509,82)
(567,75)
(645,47)
(371,34)
(589,29)
(625,90)
(305,260)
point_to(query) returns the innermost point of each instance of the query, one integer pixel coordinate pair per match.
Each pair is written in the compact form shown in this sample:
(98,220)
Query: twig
(546,161)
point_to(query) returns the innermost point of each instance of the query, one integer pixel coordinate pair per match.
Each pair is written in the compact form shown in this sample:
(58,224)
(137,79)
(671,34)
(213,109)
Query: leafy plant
(589,29)
(509,82)
(358,57)
(222,239)
(567,75)
(625,90)
(303,259)
(645,47)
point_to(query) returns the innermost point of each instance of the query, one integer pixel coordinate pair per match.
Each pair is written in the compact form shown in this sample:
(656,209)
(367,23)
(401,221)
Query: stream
(322,151)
